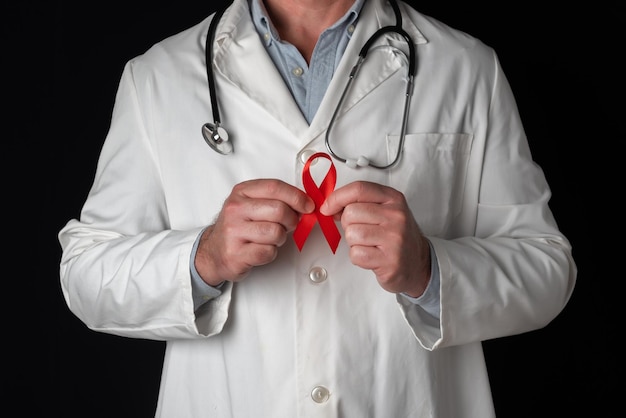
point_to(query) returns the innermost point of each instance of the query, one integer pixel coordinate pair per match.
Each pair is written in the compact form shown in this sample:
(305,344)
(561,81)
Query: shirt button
(318,274)
(266,36)
(320,394)
(350,29)
(298,71)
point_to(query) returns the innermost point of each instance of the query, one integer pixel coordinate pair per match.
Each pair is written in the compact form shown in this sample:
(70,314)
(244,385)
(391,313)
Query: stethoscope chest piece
(217,138)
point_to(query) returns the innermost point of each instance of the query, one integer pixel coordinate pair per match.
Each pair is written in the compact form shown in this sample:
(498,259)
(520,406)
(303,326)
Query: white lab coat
(278,344)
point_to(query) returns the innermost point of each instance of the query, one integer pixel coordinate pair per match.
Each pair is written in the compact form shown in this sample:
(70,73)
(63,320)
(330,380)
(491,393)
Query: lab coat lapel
(241,58)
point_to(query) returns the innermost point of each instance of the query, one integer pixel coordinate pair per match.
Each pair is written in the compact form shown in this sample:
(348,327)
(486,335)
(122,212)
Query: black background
(61,63)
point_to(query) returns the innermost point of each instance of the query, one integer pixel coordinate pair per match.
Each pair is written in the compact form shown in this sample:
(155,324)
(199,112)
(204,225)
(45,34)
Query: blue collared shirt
(307,82)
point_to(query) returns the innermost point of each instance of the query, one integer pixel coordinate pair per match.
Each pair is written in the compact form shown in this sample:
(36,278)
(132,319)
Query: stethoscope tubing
(397,29)
(208,53)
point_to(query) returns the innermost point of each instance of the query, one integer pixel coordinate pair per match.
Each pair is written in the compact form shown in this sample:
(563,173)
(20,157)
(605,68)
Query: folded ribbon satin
(319,195)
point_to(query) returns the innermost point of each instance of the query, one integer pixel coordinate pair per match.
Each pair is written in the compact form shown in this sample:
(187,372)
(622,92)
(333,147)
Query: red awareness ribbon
(319,195)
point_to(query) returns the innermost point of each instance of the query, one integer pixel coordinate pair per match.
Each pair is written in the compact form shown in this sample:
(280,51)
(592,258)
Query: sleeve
(123,270)
(514,272)
(201,291)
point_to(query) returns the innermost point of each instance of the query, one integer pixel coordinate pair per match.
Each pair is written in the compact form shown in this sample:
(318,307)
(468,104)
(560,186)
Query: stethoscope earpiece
(217,138)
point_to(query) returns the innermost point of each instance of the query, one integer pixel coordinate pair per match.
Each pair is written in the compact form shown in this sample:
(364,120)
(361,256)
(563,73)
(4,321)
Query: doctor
(378,307)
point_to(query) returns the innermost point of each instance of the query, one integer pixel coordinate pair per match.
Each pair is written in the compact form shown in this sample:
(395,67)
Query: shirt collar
(268,32)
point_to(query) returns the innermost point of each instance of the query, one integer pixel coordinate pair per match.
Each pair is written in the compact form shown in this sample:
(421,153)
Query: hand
(253,223)
(383,235)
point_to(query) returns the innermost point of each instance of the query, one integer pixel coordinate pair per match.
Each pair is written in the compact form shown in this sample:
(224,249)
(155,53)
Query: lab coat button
(320,394)
(318,274)
(306,154)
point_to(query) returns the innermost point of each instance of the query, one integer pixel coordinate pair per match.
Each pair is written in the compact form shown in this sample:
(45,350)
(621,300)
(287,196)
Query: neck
(300,22)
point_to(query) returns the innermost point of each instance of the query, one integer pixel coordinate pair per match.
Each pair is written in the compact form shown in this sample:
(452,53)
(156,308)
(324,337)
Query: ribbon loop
(319,195)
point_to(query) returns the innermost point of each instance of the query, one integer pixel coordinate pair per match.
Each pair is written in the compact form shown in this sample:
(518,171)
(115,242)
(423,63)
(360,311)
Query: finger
(266,233)
(364,235)
(365,213)
(366,257)
(225,251)
(254,254)
(246,257)
(270,211)
(360,191)
(275,189)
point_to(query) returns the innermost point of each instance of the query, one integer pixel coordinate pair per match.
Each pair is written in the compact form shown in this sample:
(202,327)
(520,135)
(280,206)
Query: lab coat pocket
(432,175)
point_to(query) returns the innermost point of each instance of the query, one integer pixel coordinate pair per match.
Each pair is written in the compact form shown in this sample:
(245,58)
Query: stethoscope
(217,137)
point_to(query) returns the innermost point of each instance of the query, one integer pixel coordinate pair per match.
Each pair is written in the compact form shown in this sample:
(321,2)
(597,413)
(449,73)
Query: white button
(350,28)
(318,274)
(266,36)
(298,71)
(306,154)
(320,394)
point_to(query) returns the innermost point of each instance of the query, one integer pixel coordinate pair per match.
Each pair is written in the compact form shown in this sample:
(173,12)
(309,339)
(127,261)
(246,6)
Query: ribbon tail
(329,228)
(303,229)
